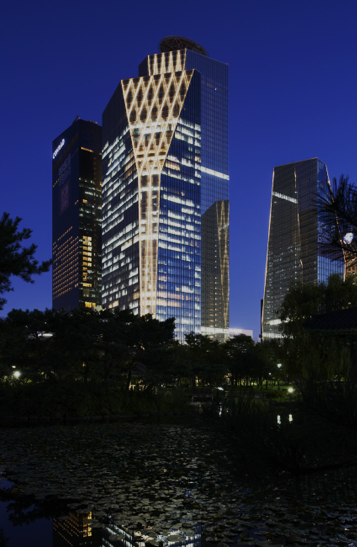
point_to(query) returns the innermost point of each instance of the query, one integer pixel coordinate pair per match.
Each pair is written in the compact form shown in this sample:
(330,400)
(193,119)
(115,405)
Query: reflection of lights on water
(220,410)
(179,537)
(348,238)
(278,418)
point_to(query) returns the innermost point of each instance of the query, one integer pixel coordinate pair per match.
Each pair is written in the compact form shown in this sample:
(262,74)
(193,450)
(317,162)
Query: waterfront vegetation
(160,478)
(90,362)
(258,463)
(269,458)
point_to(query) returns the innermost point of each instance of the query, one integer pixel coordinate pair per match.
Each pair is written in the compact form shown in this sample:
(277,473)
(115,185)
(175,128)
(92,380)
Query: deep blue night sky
(292,97)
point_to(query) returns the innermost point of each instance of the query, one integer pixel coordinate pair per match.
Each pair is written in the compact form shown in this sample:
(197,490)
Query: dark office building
(165,164)
(296,230)
(76,216)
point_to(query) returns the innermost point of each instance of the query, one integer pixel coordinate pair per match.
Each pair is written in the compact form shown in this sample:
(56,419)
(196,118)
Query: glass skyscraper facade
(76,216)
(165,165)
(296,230)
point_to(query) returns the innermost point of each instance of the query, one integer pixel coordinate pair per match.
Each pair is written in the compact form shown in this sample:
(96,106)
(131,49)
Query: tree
(262,363)
(338,212)
(85,345)
(15,259)
(311,353)
(236,350)
(41,345)
(149,341)
(302,301)
(203,359)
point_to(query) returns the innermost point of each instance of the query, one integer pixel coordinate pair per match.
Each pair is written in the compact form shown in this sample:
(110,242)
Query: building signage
(61,145)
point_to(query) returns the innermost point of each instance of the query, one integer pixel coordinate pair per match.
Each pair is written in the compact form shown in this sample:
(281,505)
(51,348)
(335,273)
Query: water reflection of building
(74,530)
(180,537)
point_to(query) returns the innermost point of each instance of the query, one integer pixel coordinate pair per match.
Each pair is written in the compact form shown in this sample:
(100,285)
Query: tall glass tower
(295,234)
(165,190)
(77,216)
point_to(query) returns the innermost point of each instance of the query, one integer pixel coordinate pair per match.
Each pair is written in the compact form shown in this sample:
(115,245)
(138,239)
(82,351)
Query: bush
(78,398)
(300,441)
(275,395)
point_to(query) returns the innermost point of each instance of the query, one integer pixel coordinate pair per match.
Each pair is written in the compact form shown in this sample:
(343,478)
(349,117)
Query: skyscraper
(165,190)
(295,233)
(76,216)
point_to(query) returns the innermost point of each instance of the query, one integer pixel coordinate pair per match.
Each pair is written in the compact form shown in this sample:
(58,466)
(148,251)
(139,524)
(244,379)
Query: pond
(160,483)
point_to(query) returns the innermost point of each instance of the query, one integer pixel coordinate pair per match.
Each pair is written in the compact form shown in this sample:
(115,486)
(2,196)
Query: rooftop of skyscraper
(174,43)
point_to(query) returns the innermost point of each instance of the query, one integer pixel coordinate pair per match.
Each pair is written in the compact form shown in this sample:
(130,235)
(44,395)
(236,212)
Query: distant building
(165,190)
(76,216)
(295,232)
(236,332)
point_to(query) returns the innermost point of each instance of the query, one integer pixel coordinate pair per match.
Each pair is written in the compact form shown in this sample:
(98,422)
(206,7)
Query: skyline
(291,93)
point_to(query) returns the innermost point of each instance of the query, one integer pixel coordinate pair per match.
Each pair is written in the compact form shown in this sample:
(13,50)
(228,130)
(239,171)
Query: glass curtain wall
(214,194)
(120,225)
(151,130)
(165,162)
(179,258)
(76,216)
(294,252)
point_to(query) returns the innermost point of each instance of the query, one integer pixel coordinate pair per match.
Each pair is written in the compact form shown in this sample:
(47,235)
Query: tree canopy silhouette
(14,258)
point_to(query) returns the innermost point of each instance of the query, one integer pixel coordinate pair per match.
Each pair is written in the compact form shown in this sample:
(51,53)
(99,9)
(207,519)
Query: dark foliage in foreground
(338,211)
(314,434)
(305,353)
(86,363)
(3,539)
(73,399)
(85,345)
(16,260)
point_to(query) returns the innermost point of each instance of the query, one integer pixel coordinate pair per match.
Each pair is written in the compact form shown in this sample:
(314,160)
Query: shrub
(78,398)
